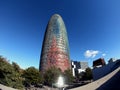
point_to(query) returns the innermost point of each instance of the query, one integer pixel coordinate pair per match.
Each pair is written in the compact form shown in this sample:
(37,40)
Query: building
(78,67)
(104,69)
(99,62)
(55,48)
(83,65)
(112,60)
(75,66)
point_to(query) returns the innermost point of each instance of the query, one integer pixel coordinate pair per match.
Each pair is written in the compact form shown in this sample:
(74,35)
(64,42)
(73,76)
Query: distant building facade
(55,49)
(112,60)
(78,67)
(99,62)
(83,65)
(104,69)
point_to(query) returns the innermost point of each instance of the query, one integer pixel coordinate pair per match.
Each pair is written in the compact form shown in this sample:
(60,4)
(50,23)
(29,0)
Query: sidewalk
(2,87)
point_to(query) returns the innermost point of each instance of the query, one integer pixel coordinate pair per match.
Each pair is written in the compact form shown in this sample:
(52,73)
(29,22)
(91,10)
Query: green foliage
(68,76)
(16,67)
(32,76)
(88,74)
(8,75)
(51,75)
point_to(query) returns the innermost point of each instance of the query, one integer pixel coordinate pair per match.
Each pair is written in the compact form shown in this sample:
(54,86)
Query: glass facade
(55,49)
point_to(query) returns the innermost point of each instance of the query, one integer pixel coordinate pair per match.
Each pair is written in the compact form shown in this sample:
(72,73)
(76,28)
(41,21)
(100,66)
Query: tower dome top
(56,15)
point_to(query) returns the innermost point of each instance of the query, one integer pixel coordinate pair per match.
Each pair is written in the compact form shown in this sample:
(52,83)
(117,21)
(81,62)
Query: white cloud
(103,54)
(91,53)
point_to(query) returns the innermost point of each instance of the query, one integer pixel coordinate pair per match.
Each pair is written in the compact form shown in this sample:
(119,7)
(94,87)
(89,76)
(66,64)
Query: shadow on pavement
(111,84)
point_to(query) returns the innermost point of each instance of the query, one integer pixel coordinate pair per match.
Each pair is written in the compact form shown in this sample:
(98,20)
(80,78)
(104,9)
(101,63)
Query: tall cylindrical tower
(55,49)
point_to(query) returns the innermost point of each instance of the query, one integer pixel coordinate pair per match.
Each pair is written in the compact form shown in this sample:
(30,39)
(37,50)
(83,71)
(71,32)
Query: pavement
(108,82)
(2,87)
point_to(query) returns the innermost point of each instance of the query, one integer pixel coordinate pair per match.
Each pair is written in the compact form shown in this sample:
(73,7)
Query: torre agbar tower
(55,48)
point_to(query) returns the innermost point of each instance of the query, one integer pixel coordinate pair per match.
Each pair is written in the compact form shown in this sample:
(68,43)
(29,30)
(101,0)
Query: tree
(68,76)
(88,74)
(8,75)
(51,75)
(17,75)
(32,76)
(16,67)
(78,76)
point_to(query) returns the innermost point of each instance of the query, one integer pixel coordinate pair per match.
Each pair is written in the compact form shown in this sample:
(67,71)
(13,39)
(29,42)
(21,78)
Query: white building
(78,67)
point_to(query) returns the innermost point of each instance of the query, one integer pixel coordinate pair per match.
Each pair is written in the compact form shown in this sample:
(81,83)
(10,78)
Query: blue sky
(93,28)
